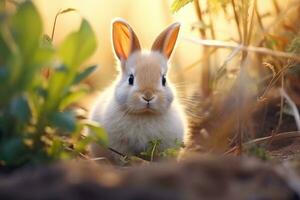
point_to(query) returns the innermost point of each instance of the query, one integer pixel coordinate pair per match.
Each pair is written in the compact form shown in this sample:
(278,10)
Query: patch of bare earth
(209,178)
(285,150)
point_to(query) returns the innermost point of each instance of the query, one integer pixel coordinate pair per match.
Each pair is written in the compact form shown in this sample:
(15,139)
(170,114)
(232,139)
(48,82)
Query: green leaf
(13,151)
(57,150)
(64,120)
(46,41)
(85,73)
(178,4)
(81,145)
(4,51)
(3,75)
(43,57)
(57,85)
(98,133)
(31,72)
(78,46)
(19,108)
(72,97)
(27,27)
(2,6)
(32,116)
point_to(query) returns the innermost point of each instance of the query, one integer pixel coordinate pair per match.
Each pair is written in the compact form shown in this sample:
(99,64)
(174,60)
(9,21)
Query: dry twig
(228,45)
(293,107)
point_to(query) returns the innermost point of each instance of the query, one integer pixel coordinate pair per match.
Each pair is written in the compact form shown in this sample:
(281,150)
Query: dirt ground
(285,150)
(209,178)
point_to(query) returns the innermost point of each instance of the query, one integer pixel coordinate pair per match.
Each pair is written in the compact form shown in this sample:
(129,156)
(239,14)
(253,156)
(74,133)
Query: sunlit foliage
(38,83)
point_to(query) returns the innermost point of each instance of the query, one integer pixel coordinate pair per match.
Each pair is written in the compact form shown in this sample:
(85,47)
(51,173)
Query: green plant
(178,4)
(36,121)
(153,151)
(257,151)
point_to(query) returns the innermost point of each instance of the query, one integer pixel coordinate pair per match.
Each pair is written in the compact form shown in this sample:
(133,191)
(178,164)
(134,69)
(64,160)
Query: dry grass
(231,112)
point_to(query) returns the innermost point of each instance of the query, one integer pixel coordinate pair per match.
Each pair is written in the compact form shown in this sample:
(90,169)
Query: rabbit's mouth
(146,110)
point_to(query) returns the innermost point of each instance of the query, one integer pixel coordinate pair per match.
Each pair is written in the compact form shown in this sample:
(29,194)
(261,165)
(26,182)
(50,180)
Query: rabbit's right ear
(125,41)
(166,41)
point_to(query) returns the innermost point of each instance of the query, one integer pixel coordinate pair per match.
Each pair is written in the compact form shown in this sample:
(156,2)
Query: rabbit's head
(143,86)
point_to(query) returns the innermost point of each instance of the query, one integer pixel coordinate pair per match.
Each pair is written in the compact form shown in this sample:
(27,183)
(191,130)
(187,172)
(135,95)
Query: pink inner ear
(124,40)
(121,40)
(166,41)
(170,42)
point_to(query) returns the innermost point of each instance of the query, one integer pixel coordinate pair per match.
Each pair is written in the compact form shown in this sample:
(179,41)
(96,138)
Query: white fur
(130,133)
(133,114)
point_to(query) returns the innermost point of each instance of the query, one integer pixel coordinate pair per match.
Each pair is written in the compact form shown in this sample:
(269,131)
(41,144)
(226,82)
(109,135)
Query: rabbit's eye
(163,80)
(131,79)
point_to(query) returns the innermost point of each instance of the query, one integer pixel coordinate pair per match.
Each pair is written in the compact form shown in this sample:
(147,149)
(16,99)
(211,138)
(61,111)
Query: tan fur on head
(149,70)
(140,108)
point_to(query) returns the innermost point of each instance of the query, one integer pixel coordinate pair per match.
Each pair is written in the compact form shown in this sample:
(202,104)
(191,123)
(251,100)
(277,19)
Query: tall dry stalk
(205,72)
(244,26)
(244,106)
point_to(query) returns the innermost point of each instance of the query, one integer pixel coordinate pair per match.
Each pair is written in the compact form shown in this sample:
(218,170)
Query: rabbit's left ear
(125,41)
(166,41)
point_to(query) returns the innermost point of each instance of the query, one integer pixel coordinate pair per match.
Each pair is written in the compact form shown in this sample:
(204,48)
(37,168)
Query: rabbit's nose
(148,96)
(148,99)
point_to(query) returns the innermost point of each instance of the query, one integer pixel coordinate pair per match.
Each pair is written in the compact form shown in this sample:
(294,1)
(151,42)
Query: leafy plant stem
(153,150)
(54,25)
(56,17)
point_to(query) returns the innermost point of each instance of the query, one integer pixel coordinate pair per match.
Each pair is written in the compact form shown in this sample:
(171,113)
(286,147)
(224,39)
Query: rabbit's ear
(125,42)
(166,41)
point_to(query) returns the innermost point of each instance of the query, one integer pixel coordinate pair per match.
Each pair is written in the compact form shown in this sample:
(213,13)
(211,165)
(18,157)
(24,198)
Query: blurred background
(148,18)
(198,72)
(233,96)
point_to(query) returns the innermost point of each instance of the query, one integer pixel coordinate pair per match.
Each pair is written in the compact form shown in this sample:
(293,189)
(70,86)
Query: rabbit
(140,106)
